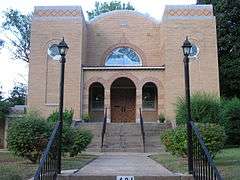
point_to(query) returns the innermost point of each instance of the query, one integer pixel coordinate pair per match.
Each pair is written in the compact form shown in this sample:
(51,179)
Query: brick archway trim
(95,80)
(153,80)
(123,74)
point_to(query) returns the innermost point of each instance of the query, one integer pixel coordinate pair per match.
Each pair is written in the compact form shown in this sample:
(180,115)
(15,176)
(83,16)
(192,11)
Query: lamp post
(186,51)
(62,48)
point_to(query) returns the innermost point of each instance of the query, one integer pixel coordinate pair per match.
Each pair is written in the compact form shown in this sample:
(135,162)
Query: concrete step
(124,137)
(89,177)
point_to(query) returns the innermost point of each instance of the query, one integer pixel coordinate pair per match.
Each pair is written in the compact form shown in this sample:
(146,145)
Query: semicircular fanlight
(123,56)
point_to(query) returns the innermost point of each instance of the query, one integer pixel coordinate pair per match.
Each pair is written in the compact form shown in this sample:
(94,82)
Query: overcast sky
(13,71)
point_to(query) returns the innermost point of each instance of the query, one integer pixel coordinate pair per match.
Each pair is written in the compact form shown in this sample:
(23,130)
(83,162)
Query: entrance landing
(110,165)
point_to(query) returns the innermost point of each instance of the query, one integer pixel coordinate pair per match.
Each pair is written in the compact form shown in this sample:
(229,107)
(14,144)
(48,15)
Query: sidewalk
(134,164)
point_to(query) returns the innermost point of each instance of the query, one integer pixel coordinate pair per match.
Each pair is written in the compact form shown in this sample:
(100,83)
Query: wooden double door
(123,105)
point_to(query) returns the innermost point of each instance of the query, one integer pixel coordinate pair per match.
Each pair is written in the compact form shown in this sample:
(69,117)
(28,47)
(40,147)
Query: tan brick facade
(157,43)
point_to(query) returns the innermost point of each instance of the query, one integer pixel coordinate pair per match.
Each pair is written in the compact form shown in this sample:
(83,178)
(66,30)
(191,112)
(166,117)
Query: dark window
(97,97)
(149,95)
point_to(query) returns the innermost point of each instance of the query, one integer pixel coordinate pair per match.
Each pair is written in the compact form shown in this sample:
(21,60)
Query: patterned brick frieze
(54,12)
(189,12)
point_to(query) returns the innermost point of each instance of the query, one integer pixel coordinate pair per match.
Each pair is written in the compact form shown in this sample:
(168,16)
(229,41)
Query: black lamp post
(62,47)
(186,51)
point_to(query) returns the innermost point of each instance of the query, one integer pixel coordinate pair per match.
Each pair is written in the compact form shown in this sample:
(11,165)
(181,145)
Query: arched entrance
(123,101)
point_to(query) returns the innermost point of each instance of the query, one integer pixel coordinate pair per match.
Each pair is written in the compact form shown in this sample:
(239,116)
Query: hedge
(175,140)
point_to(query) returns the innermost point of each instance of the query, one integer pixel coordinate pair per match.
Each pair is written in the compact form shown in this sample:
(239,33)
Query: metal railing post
(142,129)
(104,127)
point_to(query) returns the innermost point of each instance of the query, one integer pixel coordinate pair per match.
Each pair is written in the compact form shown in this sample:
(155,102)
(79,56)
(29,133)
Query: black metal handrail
(203,165)
(48,167)
(142,129)
(104,127)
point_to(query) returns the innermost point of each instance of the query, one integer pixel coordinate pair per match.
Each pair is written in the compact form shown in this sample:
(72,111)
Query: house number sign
(125,178)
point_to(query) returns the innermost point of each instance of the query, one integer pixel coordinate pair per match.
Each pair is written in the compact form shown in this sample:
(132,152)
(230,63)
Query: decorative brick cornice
(189,10)
(58,11)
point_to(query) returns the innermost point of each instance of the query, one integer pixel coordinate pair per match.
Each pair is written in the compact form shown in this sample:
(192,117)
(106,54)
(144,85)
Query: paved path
(134,164)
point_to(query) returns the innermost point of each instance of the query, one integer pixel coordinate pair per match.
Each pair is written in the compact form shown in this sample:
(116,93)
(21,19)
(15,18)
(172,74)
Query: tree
(106,7)
(227,14)
(18,26)
(18,94)
(4,106)
(1,94)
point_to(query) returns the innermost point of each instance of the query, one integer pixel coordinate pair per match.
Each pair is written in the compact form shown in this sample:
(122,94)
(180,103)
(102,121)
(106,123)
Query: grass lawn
(15,168)
(173,163)
(227,161)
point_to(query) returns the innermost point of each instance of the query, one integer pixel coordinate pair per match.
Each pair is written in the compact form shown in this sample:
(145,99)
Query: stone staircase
(124,157)
(125,137)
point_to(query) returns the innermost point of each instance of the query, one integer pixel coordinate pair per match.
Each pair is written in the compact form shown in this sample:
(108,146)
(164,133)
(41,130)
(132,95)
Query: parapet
(188,12)
(58,11)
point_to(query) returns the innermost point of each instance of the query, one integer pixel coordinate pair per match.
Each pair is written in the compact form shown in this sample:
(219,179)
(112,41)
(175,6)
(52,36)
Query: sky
(14,71)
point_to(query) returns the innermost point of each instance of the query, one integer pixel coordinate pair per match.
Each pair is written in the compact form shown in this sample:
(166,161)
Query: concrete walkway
(132,164)
(108,166)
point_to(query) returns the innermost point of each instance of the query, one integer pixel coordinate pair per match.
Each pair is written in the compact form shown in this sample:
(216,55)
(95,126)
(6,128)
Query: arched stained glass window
(123,56)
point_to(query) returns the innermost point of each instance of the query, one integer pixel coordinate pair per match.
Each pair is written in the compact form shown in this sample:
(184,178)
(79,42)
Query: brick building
(121,60)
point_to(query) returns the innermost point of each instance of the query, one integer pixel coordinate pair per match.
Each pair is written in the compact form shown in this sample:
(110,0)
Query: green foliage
(175,140)
(231,120)
(67,132)
(229,77)
(18,26)
(68,135)
(86,117)
(74,140)
(1,96)
(18,95)
(4,106)
(206,1)
(108,6)
(67,117)
(161,118)
(81,140)
(228,36)
(4,109)
(28,136)
(205,108)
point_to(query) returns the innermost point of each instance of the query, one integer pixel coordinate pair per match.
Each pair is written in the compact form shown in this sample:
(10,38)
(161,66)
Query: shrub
(175,140)
(161,118)
(86,117)
(67,117)
(68,136)
(231,120)
(206,108)
(81,140)
(28,136)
